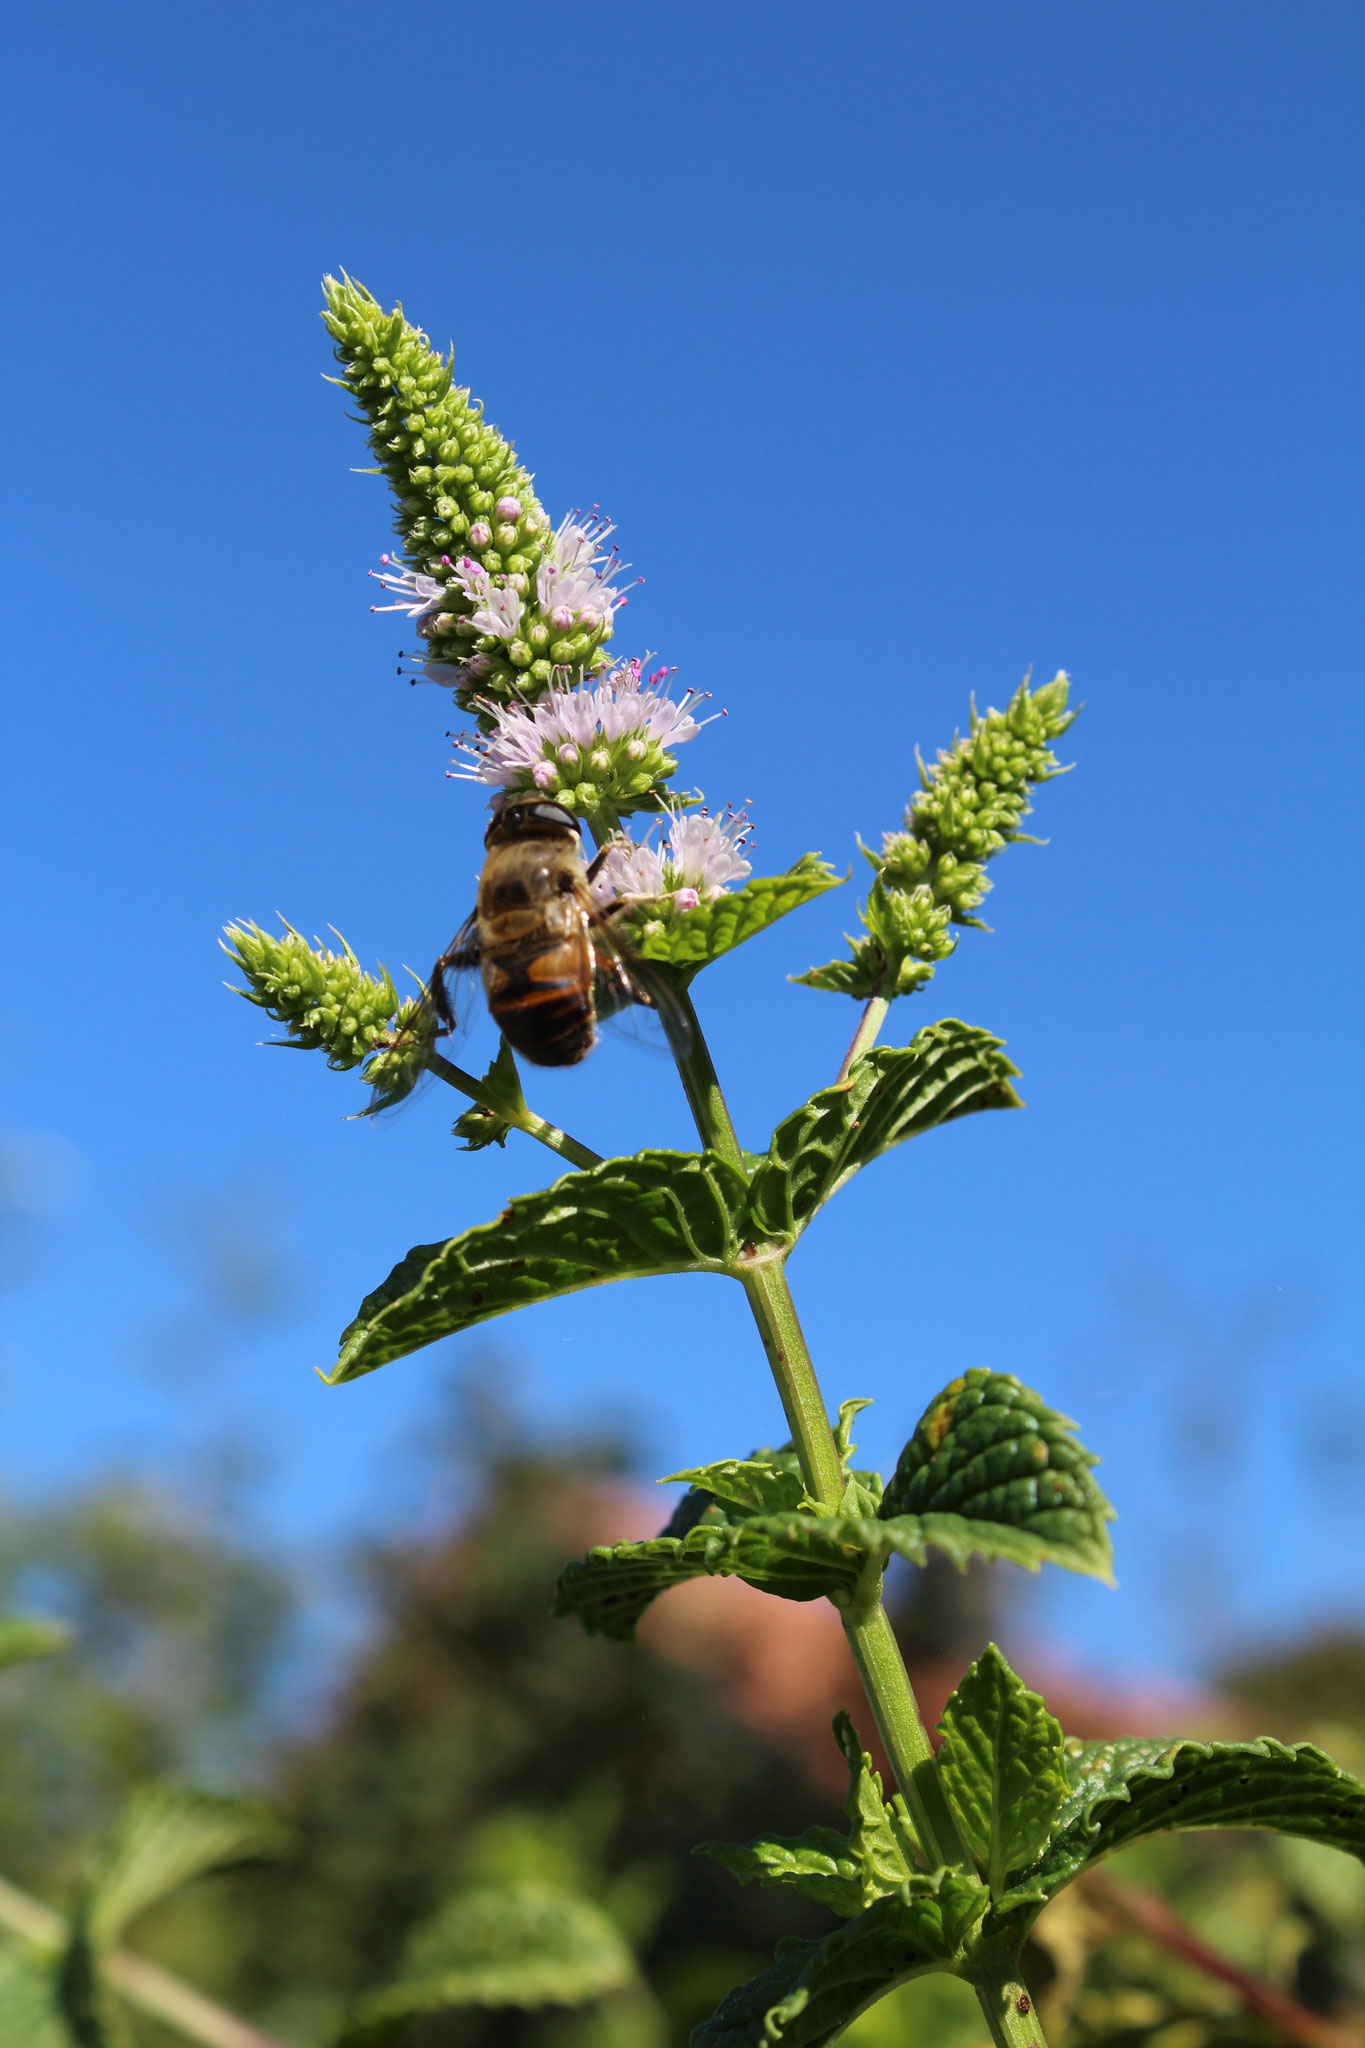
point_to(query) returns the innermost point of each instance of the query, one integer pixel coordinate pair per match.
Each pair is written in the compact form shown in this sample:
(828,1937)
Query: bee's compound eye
(552,814)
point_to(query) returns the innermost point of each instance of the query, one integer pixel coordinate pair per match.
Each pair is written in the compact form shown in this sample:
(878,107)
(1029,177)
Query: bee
(542,945)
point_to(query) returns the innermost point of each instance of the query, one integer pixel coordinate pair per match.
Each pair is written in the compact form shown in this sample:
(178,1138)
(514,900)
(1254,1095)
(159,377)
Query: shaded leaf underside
(675,1212)
(813,1989)
(797,1556)
(948,1070)
(1121,1791)
(659,1212)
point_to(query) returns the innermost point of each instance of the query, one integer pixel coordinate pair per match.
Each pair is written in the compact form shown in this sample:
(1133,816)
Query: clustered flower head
(511,614)
(600,746)
(478,623)
(698,859)
(324,999)
(500,600)
(930,875)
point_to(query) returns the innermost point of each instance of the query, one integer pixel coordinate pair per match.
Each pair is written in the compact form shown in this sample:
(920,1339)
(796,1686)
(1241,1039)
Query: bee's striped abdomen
(542,1000)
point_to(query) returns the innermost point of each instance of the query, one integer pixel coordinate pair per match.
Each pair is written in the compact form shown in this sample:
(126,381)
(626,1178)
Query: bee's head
(529,817)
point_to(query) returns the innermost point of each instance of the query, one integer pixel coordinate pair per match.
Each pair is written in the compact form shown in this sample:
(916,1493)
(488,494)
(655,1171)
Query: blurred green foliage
(477,1751)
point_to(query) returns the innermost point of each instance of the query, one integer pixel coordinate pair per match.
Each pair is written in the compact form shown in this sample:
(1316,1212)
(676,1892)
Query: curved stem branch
(142,1983)
(692,1057)
(522,1120)
(865,1037)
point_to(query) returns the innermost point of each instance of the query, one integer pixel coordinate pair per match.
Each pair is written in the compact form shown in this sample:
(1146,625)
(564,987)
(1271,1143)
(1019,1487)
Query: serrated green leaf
(659,1212)
(880,1835)
(894,1093)
(1121,1791)
(797,1556)
(987,1448)
(813,1990)
(752,1485)
(688,940)
(844,1872)
(22,1640)
(521,1945)
(817,1863)
(615,1583)
(165,1836)
(739,2021)
(1002,1768)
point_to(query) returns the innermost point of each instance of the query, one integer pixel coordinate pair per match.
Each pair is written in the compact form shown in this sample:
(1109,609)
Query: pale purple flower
(700,856)
(480,533)
(708,852)
(631,868)
(508,508)
(573,582)
(633,706)
(593,718)
(417,594)
(498,609)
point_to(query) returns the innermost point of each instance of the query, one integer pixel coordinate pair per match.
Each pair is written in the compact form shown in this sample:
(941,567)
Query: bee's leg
(452,962)
(594,867)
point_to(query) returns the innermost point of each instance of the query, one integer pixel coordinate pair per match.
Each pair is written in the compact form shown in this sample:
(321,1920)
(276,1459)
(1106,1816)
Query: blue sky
(908,346)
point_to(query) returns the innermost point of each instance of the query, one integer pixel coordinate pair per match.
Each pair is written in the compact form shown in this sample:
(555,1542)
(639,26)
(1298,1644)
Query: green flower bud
(971,803)
(325,1000)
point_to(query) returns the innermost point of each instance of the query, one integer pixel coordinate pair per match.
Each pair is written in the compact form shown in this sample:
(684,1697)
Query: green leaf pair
(676,1212)
(1009,1482)
(1034,1810)
(847,1873)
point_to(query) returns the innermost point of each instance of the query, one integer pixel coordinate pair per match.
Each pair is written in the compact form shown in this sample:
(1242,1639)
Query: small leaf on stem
(1002,1768)
(688,940)
(659,1212)
(989,1449)
(949,1070)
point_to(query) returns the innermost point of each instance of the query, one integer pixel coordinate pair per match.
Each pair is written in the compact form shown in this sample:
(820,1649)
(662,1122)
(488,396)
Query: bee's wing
(402,1060)
(621,978)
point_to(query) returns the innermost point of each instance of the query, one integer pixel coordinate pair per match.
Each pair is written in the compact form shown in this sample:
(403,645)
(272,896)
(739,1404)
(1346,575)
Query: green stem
(869,1024)
(700,1083)
(522,1119)
(904,1736)
(866,1625)
(1006,2005)
(770,1299)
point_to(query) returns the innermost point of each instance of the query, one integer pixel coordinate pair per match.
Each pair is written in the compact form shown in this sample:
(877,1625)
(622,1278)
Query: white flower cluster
(699,858)
(615,732)
(574,588)
(573,583)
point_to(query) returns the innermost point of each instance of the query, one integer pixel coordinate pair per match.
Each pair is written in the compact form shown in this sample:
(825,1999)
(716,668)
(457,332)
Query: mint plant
(516,616)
